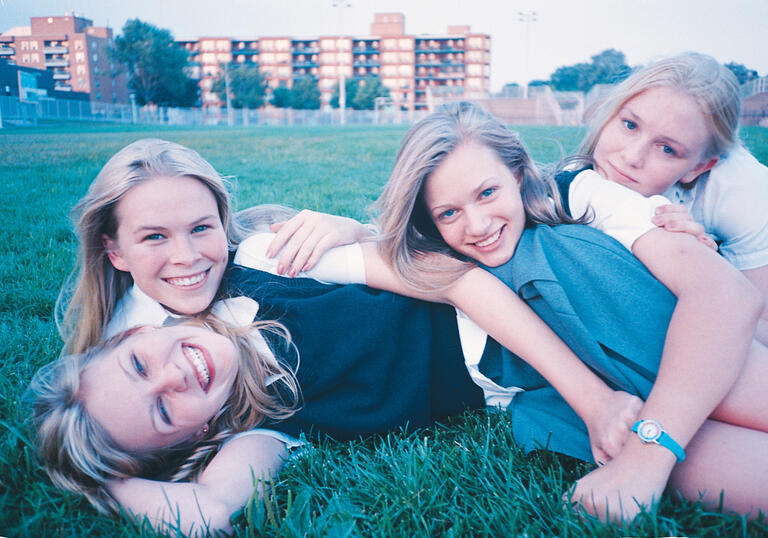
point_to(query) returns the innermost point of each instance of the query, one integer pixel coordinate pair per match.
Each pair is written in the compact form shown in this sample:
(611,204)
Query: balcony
(306,50)
(56,62)
(63,87)
(305,64)
(365,51)
(7,51)
(358,63)
(235,52)
(441,50)
(61,75)
(56,49)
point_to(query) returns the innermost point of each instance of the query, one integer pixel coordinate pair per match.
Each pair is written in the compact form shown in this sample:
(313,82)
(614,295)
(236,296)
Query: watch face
(649,430)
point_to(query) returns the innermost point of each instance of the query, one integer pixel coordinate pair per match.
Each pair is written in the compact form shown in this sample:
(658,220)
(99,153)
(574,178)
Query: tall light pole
(527,17)
(229,99)
(341,4)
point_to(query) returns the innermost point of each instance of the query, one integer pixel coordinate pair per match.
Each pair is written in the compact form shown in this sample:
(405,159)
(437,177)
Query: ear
(114,254)
(703,166)
(202,432)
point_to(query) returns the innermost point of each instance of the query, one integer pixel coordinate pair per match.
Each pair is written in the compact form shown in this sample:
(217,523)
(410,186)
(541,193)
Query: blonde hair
(711,85)
(88,298)
(80,456)
(406,228)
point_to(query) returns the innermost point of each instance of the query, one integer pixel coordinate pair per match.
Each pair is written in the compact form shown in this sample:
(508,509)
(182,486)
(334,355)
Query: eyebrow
(150,228)
(665,138)
(483,186)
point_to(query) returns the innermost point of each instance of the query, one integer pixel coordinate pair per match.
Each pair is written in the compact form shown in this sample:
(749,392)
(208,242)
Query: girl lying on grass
(153,230)
(671,129)
(463,186)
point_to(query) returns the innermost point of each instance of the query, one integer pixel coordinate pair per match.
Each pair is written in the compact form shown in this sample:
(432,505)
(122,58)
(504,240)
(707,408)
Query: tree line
(159,73)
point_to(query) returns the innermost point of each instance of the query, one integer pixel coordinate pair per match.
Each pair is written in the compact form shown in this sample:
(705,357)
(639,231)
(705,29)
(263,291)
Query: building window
(98,96)
(97,83)
(81,83)
(80,57)
(95,57)
(93,45)
(25,45)
(81,70)
(33,45)
(25,59)
(78,45)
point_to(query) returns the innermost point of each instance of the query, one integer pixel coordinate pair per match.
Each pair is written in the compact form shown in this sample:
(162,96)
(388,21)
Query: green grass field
(458,479)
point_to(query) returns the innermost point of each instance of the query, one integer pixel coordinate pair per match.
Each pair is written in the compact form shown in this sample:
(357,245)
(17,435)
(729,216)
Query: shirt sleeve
(339,265)
(289,441)
(733,204)
(617,211)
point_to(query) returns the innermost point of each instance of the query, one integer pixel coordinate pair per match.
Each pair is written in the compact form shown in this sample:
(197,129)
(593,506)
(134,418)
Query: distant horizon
(562,33)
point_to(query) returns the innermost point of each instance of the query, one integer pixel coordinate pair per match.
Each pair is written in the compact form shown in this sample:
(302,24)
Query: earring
(205,429)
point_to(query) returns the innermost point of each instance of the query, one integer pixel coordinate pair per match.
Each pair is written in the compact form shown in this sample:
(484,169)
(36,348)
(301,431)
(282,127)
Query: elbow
(218,519)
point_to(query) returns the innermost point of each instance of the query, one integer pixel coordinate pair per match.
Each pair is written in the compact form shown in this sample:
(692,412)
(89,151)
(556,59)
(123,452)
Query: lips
(187,281)
(201,363)
(622,175)
(490,240)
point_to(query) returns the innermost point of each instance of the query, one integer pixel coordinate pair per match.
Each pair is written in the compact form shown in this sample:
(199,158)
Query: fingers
(284,232)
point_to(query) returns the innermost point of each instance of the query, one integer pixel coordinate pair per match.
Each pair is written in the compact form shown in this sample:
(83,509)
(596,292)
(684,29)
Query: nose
(476,221)
(184,251)
(634,153)
(171,378)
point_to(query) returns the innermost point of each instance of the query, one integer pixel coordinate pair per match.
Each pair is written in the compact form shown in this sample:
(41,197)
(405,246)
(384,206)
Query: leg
(720,457)
(746,402)
(732,459)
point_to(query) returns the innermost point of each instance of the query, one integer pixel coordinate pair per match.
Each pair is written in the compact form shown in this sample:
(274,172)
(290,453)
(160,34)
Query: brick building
(73,50)
(413,67)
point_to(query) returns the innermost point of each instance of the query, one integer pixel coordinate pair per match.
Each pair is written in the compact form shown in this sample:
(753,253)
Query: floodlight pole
(341,4)
(229,99)
(527,17)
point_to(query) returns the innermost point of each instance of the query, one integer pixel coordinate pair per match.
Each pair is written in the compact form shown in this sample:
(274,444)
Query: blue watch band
(650,431)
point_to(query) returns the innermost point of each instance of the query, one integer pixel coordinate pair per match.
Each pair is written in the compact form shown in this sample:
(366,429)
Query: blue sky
(565,31)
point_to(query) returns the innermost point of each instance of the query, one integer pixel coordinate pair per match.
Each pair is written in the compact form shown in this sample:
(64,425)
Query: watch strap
(663,439)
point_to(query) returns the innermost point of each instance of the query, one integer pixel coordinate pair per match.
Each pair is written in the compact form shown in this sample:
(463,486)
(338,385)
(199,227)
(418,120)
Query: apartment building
(73,50)
(415,68)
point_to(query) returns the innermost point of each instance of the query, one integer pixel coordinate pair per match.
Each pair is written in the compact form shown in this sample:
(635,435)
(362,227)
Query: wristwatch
(650,431)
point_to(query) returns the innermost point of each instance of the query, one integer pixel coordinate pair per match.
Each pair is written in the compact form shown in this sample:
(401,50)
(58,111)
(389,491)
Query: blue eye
(668,150)
(200,228)
(447,214)
(487,192)
(629,124)
(154,237)
(163,411)
(138,366)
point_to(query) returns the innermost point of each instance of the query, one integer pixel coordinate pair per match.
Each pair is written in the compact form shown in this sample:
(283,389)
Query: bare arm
(705,348)
(223,488)
(759,277)
(507,318)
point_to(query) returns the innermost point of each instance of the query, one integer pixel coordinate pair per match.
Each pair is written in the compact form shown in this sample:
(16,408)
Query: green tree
(743,74)
(305,94)
(350,89)
(367,91)
(607,67)
(156,65)
(247,86)
(281,97)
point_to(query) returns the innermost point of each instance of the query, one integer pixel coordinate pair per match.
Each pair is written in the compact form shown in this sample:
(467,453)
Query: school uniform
(603,303)
(367,361)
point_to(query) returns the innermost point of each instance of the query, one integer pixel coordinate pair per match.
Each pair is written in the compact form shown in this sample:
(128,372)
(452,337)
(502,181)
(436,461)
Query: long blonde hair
(711,85)
(406,228)
(79,455)
(88,298)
